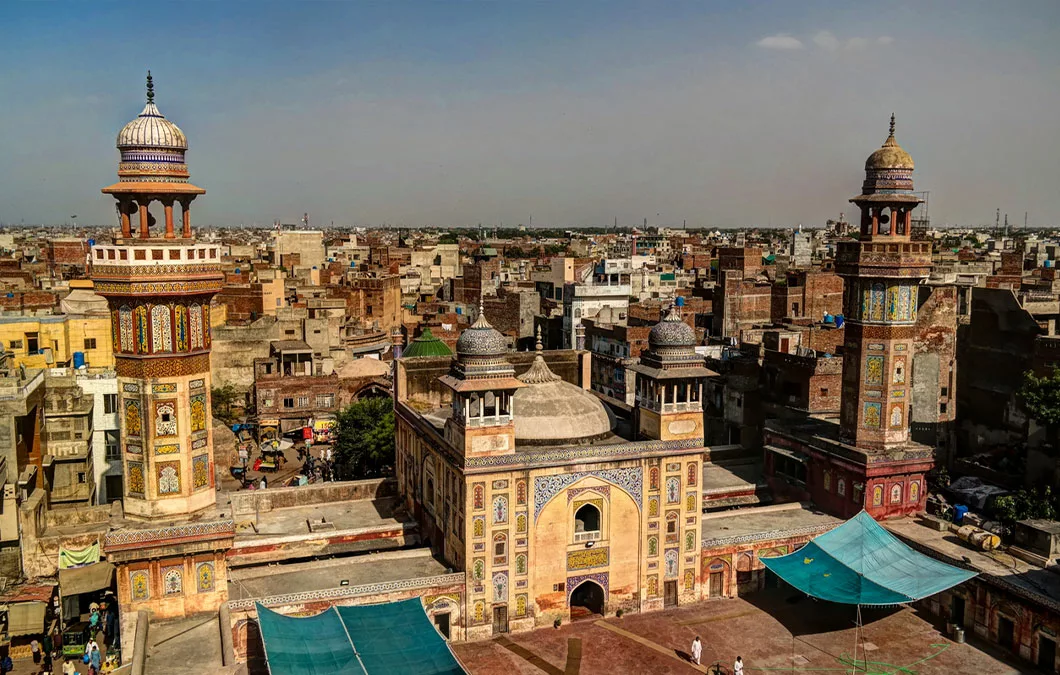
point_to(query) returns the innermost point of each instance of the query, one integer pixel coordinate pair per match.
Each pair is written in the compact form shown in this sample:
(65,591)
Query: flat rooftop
(263,582)
(349,515)
(731,476)
(765,522)
(1028,578)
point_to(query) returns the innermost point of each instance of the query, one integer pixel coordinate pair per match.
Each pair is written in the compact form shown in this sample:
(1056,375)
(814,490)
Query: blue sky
(452,113)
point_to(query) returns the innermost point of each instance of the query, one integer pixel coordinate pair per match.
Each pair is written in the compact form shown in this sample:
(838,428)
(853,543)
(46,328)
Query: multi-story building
(68,435)
(586,300)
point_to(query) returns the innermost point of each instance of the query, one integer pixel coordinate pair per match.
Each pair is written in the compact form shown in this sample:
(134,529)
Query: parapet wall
(247,503)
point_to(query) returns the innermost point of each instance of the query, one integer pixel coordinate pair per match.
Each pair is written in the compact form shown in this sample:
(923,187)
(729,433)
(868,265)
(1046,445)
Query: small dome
(560,412)
(152,130)
(672,332)
(890,155)
(427,345)
(481,339)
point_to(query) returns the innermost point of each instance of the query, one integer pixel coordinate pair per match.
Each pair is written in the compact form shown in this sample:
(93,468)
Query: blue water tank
(1049,263)
(839,320)
(79,359)
(680,301)
(91,243)
(958,513)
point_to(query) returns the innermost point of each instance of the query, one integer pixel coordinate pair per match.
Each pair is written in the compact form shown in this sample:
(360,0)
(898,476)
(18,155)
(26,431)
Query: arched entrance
(586,600)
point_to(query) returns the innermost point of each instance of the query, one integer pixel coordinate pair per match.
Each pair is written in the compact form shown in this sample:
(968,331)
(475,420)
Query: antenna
(1025,220)
(997,222)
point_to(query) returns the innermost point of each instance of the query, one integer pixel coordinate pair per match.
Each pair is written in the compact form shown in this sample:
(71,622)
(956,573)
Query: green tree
(448,238)
(222,399)
(364,439)
(1040,397)
(1024,504)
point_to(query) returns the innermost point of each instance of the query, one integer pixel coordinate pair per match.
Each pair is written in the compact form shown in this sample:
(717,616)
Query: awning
(26,618)
(797,456)
(393,638)
(860,563)
(78,580)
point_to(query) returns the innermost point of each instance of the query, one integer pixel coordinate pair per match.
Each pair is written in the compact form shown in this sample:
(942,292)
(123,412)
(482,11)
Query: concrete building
(307,245)
(586,300)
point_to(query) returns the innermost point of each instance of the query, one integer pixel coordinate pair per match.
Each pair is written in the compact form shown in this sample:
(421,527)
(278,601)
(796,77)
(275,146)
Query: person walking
(264,483)
(697,650)
(95,659)
(68,667)
(34,647)
(737,668)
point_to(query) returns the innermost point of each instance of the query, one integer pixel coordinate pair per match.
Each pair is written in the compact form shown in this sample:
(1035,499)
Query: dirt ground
(774,632)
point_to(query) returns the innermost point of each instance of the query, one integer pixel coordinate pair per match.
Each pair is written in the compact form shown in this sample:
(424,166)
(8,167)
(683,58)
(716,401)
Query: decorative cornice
(170,534)
(572,454)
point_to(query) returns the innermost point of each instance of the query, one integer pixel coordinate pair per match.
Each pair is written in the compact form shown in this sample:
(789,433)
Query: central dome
(553,411)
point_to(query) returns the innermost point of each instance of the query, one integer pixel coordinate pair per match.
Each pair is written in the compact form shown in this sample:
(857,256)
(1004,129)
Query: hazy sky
(452,113)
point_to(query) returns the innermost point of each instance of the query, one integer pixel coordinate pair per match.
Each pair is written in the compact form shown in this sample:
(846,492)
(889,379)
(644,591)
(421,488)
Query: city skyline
(424,114)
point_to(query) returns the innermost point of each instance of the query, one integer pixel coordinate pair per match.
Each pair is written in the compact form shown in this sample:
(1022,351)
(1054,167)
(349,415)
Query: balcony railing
(580,537)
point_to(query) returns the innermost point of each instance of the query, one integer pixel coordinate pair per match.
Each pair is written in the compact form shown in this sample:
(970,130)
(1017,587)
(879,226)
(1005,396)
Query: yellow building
(52,340)
(551,505)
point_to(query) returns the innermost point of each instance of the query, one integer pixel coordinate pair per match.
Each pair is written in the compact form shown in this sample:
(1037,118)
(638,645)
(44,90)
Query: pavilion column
(143,219)
(126,224)
(168,204)
(185,212)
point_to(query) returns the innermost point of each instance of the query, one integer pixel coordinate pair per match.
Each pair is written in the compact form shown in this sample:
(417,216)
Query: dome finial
(150,88)
(538,347)
(892,125)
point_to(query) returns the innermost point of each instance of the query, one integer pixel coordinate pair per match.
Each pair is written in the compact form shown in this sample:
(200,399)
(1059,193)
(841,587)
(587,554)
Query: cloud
(779,41)
(826,40)
(884,40)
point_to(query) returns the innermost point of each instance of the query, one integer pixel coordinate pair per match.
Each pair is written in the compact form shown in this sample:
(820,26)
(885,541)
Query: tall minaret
(882,270)
(158,286)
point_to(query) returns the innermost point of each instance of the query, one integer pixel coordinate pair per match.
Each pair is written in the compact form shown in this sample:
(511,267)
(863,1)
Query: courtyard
(774,631)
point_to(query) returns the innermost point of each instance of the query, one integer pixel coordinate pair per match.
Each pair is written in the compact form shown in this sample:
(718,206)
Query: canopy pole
(857,625)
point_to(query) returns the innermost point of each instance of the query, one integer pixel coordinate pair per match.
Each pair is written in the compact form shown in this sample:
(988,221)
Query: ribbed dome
(672,332)
(151,129)
(890,155)
(481,339)
(427,345)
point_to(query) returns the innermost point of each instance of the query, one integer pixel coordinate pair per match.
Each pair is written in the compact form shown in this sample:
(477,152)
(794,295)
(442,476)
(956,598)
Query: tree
(364,438)
(1025,504)
(1040,397)
(221,402)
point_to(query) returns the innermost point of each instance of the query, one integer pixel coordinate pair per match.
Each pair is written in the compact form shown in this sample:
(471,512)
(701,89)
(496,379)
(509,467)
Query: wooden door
(670,594)
(717,584)
(1005,630)
(500,620)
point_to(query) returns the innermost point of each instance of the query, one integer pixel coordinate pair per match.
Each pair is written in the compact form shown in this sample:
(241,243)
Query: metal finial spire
(892,125)
(150,88)
(538,347)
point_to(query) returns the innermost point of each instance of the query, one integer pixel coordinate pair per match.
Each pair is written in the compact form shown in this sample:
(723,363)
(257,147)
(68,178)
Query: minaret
(158,286)
(881,271)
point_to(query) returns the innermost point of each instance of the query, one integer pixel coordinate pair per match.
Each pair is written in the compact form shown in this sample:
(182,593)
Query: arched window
(478,497)
(841,487)
(653,479)
(500,548)
(692,474)
(125,322)
(430,491)
(586,523)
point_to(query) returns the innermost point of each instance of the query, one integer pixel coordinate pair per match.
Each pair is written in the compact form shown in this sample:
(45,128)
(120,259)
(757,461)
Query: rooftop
(765,522)
(347,515)
(262,582)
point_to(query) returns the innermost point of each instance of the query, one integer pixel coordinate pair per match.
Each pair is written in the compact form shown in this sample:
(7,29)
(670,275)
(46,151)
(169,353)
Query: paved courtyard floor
(774,631)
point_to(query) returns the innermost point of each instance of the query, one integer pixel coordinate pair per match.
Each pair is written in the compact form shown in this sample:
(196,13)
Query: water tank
(79,359)
(1049,263)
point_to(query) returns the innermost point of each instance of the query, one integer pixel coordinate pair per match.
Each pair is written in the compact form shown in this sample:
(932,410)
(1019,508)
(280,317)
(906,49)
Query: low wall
(246,504)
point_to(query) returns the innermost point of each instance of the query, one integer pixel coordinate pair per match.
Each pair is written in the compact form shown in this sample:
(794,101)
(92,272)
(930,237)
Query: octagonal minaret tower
(881,271)
(158,286)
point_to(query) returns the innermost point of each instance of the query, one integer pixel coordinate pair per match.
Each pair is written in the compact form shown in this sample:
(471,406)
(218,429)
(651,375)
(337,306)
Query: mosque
(539,502)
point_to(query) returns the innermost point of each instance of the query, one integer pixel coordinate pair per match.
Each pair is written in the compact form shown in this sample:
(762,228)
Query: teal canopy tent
(394,637)
(860,563)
